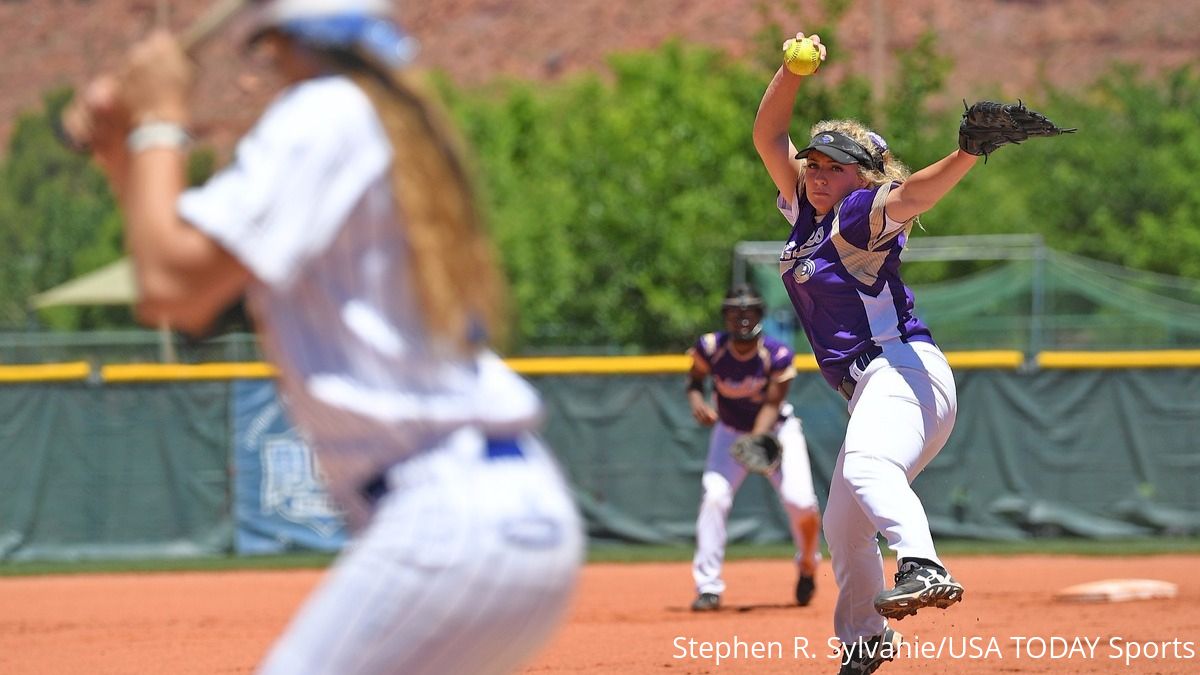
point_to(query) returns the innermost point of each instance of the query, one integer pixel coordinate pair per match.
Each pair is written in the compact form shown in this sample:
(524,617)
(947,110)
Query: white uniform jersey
(307,207)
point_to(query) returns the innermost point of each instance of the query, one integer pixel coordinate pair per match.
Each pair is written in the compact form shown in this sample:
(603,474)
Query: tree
(57,220)
(616,198)
(616,204)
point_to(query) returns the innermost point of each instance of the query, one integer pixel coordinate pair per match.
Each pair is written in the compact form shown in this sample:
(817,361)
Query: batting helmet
(365,26)
(746,307)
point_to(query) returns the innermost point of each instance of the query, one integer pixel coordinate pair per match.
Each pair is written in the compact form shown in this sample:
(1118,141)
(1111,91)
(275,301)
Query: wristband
(157,135)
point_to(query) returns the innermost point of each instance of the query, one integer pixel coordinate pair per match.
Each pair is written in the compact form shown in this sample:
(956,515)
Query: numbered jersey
(741,381)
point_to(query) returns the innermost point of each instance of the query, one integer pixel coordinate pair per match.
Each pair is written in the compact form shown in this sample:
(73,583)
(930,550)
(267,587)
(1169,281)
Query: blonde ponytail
(453,268)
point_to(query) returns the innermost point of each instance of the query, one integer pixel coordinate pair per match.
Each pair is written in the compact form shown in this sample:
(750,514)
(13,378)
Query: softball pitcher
(348,221)
(751,373)
(851,205)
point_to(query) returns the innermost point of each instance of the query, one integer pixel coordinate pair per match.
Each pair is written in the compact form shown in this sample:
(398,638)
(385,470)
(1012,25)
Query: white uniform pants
(466,567)
(722,478)
(900,417)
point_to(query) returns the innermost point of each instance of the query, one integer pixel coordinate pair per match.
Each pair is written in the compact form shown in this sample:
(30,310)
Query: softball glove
(987,125)
(759,453)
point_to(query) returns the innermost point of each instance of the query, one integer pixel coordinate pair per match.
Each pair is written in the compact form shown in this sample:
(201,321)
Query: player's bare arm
(184,278)
(768,414)
(701,410)
(985,127)
(771,126)
(925,188)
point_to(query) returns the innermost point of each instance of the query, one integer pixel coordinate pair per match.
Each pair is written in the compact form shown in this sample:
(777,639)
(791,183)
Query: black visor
(842,149)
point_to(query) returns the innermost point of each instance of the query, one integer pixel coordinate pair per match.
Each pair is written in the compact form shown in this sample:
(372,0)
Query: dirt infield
(632,618)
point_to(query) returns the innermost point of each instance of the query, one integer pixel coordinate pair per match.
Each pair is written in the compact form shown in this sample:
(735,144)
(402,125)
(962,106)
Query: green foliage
(1124,191)
(58,220)
(616,197)
(616,203)
(56,217)
(609,201)
(908,123)
(1119,190)
(201,164)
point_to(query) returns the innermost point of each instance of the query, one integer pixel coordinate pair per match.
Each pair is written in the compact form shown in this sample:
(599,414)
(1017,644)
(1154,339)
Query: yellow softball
(801,56)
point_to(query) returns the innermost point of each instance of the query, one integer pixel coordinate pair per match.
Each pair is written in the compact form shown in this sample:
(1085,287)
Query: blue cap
(374,36)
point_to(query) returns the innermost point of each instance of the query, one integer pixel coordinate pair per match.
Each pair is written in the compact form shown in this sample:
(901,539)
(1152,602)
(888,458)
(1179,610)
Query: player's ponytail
(453,268)
(453,271)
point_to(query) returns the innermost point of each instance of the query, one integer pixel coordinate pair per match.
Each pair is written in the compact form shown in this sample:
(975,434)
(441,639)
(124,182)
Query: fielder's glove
(987,125)
(760,453)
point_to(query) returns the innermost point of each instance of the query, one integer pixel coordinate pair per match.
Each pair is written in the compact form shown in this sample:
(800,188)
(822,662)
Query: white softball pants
(722,478)
(467,566)
(900,417)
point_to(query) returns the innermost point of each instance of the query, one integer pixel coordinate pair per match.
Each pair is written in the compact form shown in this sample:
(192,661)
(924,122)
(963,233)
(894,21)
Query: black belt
(849,383)
(497,448)
(374,489)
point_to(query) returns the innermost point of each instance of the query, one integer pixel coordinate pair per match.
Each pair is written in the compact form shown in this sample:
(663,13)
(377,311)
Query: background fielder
(751,373)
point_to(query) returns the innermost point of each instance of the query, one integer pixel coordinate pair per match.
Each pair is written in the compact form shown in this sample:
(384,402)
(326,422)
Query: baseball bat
(192,37)
(208,23)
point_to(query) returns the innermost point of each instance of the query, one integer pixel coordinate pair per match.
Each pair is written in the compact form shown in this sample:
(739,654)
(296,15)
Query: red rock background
(997,46)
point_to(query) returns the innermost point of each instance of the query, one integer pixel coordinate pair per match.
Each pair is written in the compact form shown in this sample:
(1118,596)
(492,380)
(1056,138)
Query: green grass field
(622,553)
(949,547)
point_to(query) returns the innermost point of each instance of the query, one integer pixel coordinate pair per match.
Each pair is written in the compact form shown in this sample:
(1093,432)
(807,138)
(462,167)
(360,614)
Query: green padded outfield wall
(142,470)
(635,455)
(113,471)
(1091,453)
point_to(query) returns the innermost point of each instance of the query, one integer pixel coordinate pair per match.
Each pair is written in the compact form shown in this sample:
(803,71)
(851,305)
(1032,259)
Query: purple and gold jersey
(842,274)
(741,381)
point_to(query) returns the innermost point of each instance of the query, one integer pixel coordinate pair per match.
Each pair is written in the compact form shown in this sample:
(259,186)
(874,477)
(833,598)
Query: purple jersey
(741,381)
(843,277)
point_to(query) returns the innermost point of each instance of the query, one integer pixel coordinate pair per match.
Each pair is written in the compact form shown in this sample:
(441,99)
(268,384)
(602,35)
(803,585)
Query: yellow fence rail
(584,365)
(46,372)
(158,372)
(1166,358)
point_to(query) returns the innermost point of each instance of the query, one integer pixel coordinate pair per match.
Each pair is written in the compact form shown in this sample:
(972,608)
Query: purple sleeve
(782,358)
(705,347)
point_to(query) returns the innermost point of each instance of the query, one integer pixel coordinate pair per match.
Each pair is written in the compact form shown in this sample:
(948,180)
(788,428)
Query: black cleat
(918,586)
(806,586)
(865,655)
(706,602)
